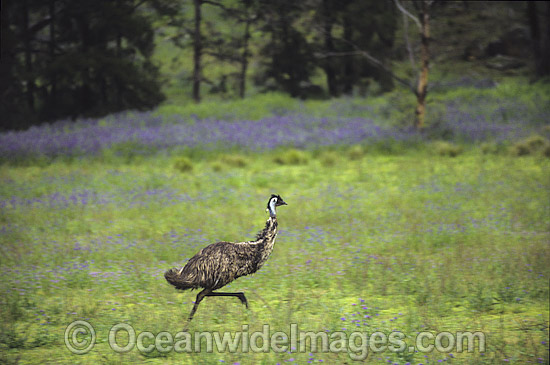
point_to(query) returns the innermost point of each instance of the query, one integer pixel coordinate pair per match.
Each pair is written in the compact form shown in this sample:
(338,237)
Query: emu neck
(270,230)
(265,242)
(272,211)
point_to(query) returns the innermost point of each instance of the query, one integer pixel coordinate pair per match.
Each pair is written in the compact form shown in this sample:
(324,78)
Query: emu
(220,263)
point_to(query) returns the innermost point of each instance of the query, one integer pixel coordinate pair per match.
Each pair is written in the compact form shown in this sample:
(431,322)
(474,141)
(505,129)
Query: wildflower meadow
(387,229)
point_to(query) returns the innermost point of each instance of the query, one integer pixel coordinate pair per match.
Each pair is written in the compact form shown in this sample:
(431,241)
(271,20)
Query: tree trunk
(348,60)
(197,53)
(540,35)
(422,86)
(244,56)
(52,44)
(329,47)
(545,40)
(85,90)
(29,78)
(118,54)
(6,50)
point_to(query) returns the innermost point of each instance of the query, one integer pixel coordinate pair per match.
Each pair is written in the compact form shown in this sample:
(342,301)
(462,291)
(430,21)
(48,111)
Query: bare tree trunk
(545,39)
(85,89)
(348,61)
(407,41)
(118,53)
(52,44)
(197,53)
(422,85)
(245,54)
(329,47)
(540,35)
(28,57)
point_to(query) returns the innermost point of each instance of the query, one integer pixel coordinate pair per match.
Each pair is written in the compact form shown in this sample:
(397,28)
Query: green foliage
(288,56)
(101,69)
(443,148)
(531,146)
(183,164)
(356,152)
(493,148)
(329,158)
(291,156)
(398,107)
(252,108)
(480,299)
(234,160)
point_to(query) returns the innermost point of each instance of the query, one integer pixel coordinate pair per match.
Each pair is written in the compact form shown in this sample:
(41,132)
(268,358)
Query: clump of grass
(234,160)
(356,152)
(292,157)
(443,148)
(531,146)
(481,301)
(328,159)
(492,148)
(217,166)
(183,164)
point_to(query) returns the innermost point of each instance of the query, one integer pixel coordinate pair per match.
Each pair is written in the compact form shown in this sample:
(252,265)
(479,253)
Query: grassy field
(385,230)
(424,242)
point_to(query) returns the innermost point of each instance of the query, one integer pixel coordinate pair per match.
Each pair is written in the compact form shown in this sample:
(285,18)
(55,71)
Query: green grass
(257,107)
(509,100)
(428,242)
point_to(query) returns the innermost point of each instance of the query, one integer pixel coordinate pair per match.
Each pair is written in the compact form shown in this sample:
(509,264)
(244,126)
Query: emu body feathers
(220,263)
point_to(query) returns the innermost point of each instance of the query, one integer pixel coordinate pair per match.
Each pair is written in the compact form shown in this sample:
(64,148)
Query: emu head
(272,203)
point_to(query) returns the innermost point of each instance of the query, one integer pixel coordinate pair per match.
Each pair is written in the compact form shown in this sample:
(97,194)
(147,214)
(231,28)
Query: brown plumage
(220,263)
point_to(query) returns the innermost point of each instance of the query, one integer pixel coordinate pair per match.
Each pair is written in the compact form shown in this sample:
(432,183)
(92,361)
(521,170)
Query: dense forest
(78,58)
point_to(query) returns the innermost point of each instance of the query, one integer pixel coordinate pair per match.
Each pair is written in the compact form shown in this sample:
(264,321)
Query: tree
(248,18)
(233,47)
(288,60)
(423,22)
(197,51)
(76,58)
(211,42)
(328,18)
(359,46)
(345,27)
(538,15)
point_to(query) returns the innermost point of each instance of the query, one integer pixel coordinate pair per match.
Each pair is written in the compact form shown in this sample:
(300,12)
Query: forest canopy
(84,58)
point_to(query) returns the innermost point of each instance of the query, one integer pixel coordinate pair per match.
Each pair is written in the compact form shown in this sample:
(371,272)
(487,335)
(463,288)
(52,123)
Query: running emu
(220,263)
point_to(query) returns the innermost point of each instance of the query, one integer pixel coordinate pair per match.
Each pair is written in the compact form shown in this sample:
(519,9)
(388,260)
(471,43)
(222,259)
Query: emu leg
(239,295)
(198,301)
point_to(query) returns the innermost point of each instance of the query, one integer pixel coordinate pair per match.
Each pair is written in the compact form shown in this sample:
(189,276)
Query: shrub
(234,160)
(356,152)
(443,148)
(492,148)
(520,149)
(531,145)
(328,159)
(292,157)
(217,166)
(183,164)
